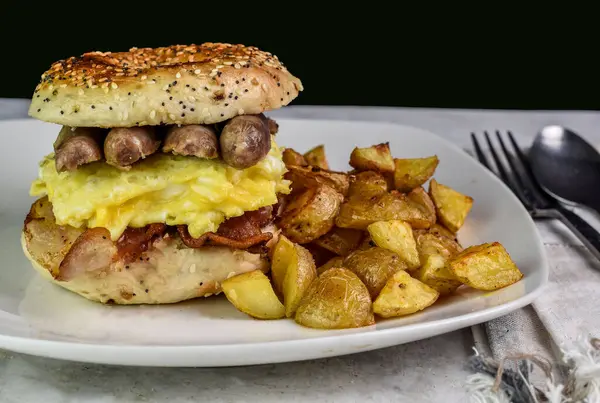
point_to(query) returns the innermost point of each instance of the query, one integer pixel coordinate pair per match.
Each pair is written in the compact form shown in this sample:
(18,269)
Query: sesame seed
(93,107)
(114,86)
(162,103)
(222,114)
(152,114)
(110,107)
(192,109)
(197,71)
(171,116)
(39,110)
(170,98)
(183,114)
(246,90)
(144,77)
(62,112)
(178,75)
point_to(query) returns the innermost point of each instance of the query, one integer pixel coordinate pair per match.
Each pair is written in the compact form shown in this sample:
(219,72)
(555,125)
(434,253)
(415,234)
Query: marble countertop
(427,370)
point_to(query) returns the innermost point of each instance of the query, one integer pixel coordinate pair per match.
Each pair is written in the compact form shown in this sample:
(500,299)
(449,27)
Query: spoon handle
(584,231)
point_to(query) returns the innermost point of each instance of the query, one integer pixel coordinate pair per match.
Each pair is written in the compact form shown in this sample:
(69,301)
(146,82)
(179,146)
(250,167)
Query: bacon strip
(240,232)
(135,241)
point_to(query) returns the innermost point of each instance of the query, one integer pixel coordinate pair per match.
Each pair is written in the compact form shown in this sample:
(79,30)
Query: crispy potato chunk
(292,157)
(337,299)
(485,267)
(367,184)
(310,214)
(337,261)
(358,213)
(434,254)
(306,177)
(340,241)
(452,206)
(397,236)
(403,295)
(375,158)
(253,294)
(374,267)
(316,157)
(413,172)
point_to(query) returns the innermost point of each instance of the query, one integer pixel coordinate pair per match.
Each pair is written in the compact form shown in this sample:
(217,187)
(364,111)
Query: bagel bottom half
(167,272)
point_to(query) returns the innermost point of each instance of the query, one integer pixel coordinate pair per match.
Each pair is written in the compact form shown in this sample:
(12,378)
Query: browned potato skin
(375,158)
(358,213)
(413,172)
(126,145)
(77,147)
(310,214)
(192,140)
(367,184)
(337,299)
(374,267)
(252,293)
(485,267)
(300,274)
(244,141)
(316,157)
(312,176)
(292,157)
(340,241)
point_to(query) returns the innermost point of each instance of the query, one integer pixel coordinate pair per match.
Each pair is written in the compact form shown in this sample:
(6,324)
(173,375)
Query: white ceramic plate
(42,319)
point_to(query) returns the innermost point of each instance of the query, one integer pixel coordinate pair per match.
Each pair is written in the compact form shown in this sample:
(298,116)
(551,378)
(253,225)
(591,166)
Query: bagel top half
(195,84)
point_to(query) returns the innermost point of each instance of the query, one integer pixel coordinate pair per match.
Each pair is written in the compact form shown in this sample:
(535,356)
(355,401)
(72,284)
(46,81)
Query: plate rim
(45,348)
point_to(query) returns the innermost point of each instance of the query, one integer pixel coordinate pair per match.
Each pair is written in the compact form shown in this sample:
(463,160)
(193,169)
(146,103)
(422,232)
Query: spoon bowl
(566,166)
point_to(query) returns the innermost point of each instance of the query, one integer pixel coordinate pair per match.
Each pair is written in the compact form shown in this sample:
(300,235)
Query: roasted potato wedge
(367,184)
(397,236)
(358,213)
(300,274)
(337,261)
(434,254)
(253,294)
(337,299)
(375,158)
(306,177)
(283,253)
(413,172)
(340,241)
(374,267)
(403,295)
(310,214)
(422,200)
(485,267)
(452,206)
(316,157)
(292,157)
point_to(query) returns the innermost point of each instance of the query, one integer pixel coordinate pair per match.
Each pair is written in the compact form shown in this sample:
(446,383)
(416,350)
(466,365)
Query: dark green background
(370,53)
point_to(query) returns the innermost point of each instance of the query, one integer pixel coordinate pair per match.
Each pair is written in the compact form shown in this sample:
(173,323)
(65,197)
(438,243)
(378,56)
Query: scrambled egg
(163,188)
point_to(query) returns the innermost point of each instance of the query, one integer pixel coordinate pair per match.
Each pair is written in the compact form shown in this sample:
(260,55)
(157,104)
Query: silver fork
(517,175)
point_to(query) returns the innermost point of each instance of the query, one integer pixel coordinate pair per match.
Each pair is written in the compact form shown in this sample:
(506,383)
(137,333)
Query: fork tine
(480,155)
(536,191)
(521,186)
(499,165)
(500,169)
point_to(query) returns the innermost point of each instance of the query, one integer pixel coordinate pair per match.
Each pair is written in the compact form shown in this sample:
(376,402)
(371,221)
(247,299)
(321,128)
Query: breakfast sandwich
(165,175)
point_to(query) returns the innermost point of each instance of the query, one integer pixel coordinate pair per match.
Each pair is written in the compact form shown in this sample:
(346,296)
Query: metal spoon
(568,167)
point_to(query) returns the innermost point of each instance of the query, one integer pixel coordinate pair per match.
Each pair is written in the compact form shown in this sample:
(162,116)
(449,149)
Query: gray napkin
(549,349)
